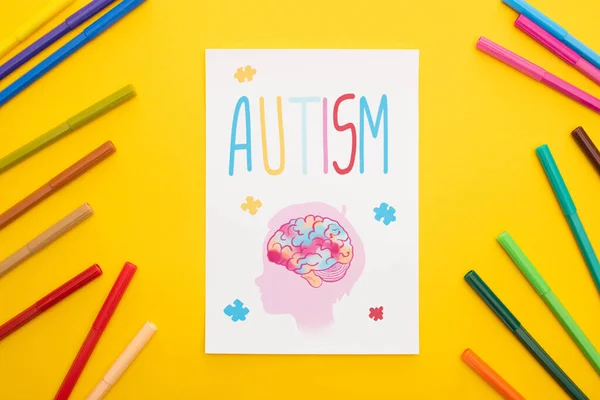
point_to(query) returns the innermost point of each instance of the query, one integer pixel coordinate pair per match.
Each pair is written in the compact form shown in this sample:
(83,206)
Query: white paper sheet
(296,260)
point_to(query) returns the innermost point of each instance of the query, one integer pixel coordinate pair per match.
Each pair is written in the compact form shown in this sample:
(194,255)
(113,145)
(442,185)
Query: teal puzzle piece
(385,213)
(237,312)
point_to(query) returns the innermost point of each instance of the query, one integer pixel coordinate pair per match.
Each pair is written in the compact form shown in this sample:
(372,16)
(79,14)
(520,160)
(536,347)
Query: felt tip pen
(50,300)
(513,324)
(522,7)
(558,48)
(490,376)
(570,211)
(587,146)
(71,23)
(35,23)
(91,341)
(538,73)
(543,289)
(67,127)
(49,236)
(123,362)
(88,34)
(57,183)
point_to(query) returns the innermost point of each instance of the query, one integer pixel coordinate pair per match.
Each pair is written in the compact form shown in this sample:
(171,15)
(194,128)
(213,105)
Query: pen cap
(526,267)
(490,376)
(33,147)
(86,12)
(582,49)
(111,17)
(486,294)
(103,106)
(49,137)
(547,40)
(556,181)
(522,7)
(7,44)
(42,18)
(587,145)
(510,58)
(61,227)
(472,359)
(115,296)
(70,287)
(83,165)
(130,353)
(588,70)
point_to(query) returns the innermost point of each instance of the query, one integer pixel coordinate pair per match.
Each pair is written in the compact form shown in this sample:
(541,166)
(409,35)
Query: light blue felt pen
(568,207)
(88,34)
(555,30)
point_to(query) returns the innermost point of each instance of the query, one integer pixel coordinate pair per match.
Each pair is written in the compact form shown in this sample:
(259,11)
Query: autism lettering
(316,248)
(356,137)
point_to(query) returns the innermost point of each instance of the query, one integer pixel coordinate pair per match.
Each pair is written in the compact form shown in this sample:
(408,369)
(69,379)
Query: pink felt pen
(558,48)
(537,73)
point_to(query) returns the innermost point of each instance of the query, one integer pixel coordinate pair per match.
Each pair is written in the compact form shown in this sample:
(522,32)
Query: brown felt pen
(62,179)
(588,147)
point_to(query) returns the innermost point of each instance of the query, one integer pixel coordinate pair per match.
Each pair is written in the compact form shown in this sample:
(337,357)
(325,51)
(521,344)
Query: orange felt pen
(490,376)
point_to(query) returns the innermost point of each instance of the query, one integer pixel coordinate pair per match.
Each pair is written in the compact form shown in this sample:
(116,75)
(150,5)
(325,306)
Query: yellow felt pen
(27,29)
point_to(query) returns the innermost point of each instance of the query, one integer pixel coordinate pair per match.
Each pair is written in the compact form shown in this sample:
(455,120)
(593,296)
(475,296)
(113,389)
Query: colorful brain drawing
(314,247)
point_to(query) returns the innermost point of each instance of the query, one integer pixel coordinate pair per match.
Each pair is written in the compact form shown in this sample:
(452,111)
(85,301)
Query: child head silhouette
(312,257)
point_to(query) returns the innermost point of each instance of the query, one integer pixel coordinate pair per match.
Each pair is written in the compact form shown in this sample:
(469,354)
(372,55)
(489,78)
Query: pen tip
(130,265)
(579,131)
(151,326)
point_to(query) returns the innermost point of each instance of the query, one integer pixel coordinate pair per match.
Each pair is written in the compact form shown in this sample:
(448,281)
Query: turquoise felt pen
(568,207)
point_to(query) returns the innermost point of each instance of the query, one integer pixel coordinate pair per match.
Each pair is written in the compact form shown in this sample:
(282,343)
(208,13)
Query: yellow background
(480,123)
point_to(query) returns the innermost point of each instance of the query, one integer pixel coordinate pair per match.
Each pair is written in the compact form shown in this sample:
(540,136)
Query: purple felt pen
(78,18)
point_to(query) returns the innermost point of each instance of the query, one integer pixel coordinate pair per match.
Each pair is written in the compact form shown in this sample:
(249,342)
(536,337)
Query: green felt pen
(486,294)
(72,124)
(543,289)
(568,207)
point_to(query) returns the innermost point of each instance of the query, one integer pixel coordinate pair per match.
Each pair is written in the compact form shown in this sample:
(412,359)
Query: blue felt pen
(568,207)
(555,30)
(88,34)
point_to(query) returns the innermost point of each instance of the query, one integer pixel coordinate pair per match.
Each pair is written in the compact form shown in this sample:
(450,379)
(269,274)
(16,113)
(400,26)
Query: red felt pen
(104,316)
(50,300)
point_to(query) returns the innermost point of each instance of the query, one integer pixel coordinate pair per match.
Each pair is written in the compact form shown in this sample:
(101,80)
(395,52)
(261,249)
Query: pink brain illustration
(316,248)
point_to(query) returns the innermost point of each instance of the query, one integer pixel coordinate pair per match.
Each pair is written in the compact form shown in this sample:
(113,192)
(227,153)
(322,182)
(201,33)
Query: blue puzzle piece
(237,312)
(386,213)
